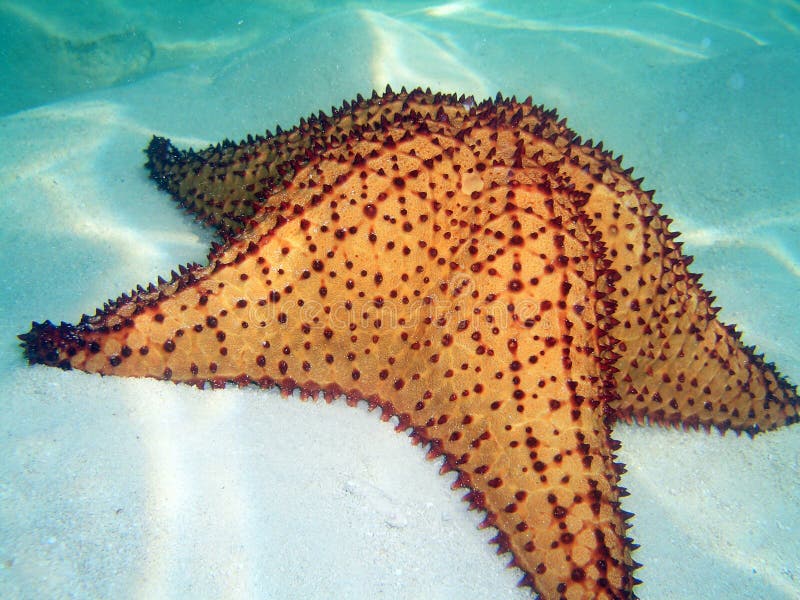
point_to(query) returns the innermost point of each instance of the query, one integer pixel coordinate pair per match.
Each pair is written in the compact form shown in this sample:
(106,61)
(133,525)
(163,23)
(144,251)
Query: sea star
(503,289)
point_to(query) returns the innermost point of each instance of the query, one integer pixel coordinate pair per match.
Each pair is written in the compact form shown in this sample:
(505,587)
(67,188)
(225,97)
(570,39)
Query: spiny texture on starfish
(503,289)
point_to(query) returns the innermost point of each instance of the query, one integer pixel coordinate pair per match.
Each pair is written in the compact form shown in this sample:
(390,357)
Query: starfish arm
(208,183)
(372,290)
(679,364)
(226,184)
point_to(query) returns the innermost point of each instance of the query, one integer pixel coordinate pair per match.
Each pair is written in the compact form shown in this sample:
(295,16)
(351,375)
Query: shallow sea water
(114,488)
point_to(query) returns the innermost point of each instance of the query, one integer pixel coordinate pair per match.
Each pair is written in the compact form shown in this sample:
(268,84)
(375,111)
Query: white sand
(114,488)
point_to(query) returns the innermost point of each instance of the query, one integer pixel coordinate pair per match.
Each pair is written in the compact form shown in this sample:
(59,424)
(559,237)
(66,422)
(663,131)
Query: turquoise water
(115,488)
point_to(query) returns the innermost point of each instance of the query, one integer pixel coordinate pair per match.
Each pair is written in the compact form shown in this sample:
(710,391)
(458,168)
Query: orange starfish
(504,290)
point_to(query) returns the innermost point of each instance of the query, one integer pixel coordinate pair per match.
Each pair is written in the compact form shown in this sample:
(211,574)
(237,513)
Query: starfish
(503,289)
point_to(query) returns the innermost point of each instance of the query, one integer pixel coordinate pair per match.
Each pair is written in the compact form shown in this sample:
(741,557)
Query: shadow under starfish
(503,289)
